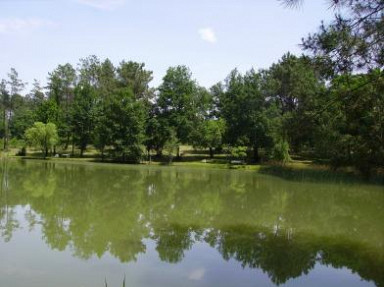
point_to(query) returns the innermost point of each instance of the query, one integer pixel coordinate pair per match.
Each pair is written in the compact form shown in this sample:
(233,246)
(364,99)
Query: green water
(77,225)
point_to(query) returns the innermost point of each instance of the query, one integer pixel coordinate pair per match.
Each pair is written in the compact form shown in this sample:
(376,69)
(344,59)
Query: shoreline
(297,170)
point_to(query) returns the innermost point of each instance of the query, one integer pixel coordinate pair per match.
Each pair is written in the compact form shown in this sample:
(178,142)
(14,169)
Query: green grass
(299,168)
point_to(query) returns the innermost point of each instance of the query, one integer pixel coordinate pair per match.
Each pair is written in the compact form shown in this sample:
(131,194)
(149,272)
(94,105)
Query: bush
(280,152)
(132,154)
(239,152)
(16,143)
(171,145)
(42,136)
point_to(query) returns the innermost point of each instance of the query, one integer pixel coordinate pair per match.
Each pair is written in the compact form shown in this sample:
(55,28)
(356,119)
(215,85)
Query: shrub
(280,152)
(239,152)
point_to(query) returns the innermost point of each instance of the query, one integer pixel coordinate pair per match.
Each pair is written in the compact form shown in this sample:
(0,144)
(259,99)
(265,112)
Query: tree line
(329,102)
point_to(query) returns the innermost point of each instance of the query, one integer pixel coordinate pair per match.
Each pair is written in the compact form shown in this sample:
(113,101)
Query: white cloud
(196,274)
(208,34)
(12,25)
(103,4)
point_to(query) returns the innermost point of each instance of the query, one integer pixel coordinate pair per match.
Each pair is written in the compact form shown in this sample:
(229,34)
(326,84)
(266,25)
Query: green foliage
(102,135)
(209,134)
(126,121)
(243,106)
(47,112)
(280,152)
(171,145)
(132,153)
(157,130)
(83,115)
(352,42)
(293,86)
(16,143)
(179,101)
(42,136)
(133,75)
(22,115)
(61,84)
(10,101)
(354,120)
(239,152)
(114,109)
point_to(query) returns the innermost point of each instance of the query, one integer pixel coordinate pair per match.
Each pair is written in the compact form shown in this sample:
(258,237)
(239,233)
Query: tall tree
(134,75)
(243,106)
(89,69)
(180,102)
(156,129)
(9,101)
(24,110)
(107,80)
(294,85)
(5,100)
(126,119)
(42,136)
(37,94)
(349,52)
(16,84)
(209,134)
(102,135)
(353,122)
(47,112)
(353,41)
(22,115)
(61,84)
(83,115)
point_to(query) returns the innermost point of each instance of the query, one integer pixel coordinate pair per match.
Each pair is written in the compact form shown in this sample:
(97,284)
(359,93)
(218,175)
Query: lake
(80,225)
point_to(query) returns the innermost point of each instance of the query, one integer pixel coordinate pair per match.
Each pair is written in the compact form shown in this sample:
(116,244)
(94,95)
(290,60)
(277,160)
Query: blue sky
(212,37)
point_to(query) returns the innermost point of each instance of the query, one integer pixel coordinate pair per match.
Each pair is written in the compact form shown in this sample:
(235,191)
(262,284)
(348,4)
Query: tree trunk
(149,153)
(67,142)
(45,152)
(102,154)
(5,130)
(73,147)
(4,117)
(211,153)
(178,152)
(83,149)
(256,156)
(159,152)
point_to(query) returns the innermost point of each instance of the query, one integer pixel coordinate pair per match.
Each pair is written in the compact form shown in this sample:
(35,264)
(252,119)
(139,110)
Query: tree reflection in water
(283,228)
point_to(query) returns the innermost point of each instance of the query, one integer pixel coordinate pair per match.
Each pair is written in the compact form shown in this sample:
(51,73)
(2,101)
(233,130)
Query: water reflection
(283,228)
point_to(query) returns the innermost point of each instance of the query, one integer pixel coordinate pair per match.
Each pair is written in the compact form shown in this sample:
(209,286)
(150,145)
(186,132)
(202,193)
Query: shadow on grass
(314,174)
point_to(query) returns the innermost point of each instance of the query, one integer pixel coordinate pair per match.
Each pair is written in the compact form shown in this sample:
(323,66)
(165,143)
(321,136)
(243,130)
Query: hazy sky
(212,37)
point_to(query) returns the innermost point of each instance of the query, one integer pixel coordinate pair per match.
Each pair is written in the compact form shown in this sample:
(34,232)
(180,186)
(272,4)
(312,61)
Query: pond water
(79,225)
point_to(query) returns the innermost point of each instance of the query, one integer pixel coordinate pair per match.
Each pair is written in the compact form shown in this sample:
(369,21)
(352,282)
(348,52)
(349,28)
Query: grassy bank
(299,169)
